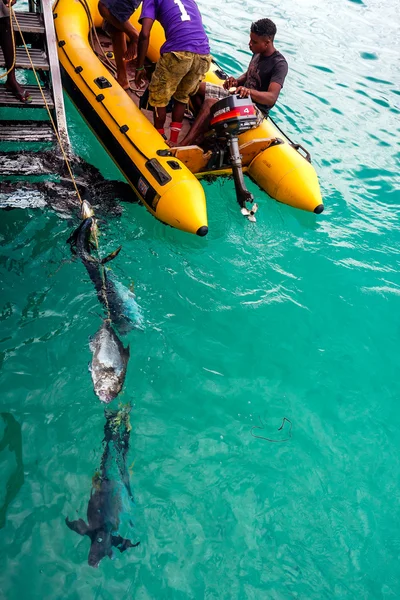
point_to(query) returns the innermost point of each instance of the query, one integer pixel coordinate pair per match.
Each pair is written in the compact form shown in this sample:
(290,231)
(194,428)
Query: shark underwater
(81,244)
(111,493)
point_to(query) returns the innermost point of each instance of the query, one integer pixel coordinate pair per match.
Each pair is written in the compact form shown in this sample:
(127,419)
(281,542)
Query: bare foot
(19,92)
(131,51)
(124,83)
(172,144)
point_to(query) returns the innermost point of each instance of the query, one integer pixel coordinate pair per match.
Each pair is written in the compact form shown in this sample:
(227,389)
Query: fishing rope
(14,50)
(280,428)
(67,162)
(104,59)
(92,29)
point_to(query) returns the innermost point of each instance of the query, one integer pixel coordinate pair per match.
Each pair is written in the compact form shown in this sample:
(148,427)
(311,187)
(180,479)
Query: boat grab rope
(130,140)
(103,55)
(63,152)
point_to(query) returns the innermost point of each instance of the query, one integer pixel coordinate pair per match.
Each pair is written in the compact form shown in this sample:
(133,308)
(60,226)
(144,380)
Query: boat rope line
(62,44)
(106,109)
(104,59)
(260,437)
(93,30)
(103,55)
(67,162)
(279,129)
(14,50)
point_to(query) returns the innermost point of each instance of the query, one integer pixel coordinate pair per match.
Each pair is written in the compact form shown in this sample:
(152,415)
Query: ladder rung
(29,22)
(26,131)
(8,99)
(39,59)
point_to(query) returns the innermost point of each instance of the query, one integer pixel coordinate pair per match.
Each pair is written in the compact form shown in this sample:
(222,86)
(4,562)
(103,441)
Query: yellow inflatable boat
(166,180)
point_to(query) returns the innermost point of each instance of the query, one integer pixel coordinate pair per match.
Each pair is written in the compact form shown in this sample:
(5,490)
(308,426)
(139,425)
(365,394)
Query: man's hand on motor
(230,82)
(242,92)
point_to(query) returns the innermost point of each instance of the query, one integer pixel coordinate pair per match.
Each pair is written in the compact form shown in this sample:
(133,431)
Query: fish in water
(109,362)
(131,308)
(86,210)
(111,493)
(80,242)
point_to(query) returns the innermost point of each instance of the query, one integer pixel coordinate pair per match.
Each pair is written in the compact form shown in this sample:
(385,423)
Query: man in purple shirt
(185,58)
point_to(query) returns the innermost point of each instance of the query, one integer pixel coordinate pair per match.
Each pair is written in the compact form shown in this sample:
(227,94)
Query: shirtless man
(116,14)
(6,43)
(262,81)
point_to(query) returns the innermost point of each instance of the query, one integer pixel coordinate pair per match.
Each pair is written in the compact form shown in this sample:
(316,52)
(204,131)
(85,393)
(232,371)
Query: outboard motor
(230,117)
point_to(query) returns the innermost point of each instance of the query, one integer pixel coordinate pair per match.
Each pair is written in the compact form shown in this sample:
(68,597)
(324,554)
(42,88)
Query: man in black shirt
(262,81)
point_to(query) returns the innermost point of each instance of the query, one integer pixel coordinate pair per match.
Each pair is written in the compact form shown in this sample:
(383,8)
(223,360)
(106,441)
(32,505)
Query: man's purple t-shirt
(182,24)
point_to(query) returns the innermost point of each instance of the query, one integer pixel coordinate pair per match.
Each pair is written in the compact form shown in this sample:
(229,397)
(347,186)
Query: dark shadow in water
(53,186)
(111,492)
(260,437)
(12,439)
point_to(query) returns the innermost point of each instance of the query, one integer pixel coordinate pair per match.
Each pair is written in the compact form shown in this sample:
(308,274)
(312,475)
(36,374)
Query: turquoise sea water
(296,316)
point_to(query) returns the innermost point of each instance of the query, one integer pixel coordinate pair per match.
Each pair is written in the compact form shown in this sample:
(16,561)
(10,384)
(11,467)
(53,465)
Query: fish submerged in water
(111,493)
(109,363)
(131,308)
(80,242)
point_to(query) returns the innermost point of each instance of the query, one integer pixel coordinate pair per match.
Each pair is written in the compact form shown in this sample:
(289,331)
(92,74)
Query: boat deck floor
(104,50)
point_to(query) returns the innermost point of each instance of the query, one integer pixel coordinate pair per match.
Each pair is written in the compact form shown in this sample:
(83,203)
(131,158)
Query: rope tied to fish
(86,209)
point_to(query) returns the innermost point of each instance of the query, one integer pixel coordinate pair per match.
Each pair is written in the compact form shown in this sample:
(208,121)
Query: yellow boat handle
(306,152)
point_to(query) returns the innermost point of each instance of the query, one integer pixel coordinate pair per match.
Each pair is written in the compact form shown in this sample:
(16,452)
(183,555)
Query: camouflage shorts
(216,92)
(177,75)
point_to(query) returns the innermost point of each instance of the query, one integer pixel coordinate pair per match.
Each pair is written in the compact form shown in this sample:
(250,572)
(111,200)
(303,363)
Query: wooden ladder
(37,27)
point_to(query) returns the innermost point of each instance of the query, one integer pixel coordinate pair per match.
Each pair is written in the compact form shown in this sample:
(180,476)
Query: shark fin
(78,526)
(111,256)
(121,543)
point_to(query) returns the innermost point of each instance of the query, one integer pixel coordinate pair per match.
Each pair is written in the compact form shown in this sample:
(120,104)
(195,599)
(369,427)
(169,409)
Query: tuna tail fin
(78,526)
(111,256)
(122,544)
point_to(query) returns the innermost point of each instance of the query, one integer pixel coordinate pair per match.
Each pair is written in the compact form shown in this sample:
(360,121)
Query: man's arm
(143,45)
(268,98)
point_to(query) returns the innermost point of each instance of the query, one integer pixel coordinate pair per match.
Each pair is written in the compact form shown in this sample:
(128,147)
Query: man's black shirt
(264,70)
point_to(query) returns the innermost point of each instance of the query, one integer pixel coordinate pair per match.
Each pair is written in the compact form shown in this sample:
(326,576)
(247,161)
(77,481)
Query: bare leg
(198,99)
(200,124)
(119,45)
(125,27)
(178,111)
(160,114)
(6,44)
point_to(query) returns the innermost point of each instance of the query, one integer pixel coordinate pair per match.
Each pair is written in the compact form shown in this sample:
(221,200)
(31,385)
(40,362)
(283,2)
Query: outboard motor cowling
(233,116)
(230,117)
